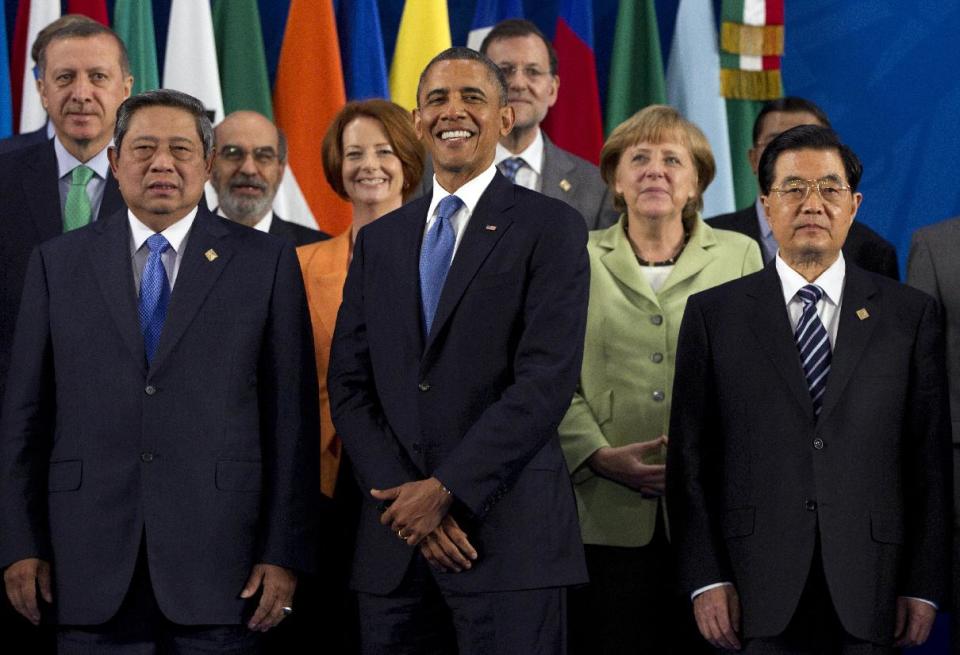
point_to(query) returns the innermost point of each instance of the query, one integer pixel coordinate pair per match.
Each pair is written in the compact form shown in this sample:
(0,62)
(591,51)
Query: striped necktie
(509,167)
(814,345)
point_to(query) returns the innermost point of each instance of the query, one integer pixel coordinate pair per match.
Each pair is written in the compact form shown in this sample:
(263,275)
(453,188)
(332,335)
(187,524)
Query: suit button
(656,358)
(818,443)
(150,390)
(658,395)
(424,386)
(146,457)
(656,319)
(811,505)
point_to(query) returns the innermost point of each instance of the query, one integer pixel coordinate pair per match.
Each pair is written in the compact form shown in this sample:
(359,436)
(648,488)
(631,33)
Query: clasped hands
(418,515)
(626,465)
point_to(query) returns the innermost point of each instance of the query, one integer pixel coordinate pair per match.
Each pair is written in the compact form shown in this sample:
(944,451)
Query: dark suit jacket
(863,246)
(297,233)
(29,215)
(478,401)
(211,451)
(754,479)
(18,141)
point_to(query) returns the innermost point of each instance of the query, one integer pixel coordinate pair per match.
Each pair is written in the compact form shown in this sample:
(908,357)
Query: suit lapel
(478,240)
(696,256)
(622,263)
(195,278)
(41,191)
(771,327)
(112,201)
(111,262)
(411,219)
(556,169)
(853,334)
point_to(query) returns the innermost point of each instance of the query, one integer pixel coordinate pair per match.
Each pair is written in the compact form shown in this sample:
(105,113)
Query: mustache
(242,179)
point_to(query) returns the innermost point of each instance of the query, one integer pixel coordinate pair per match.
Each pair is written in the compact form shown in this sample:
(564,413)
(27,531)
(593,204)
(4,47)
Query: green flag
(636,66)
(242,62)
(740,117)
(133,23)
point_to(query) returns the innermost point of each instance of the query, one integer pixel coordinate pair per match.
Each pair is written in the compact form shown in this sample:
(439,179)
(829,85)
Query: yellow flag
(424,33)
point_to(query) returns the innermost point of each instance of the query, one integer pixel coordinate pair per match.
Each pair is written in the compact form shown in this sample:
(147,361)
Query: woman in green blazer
(643,269)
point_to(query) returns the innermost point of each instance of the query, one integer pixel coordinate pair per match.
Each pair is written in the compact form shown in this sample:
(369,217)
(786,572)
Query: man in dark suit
(175,426)
(526,155)
(934,267)
(863,246)
(448,400)
(809,496)
(251,159)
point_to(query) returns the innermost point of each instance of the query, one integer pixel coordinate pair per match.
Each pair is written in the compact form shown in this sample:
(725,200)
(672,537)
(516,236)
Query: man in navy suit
(158,452)
(455,355)
(809,478)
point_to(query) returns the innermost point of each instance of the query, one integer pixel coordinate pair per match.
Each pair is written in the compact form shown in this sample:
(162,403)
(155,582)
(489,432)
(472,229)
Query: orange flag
(308,93)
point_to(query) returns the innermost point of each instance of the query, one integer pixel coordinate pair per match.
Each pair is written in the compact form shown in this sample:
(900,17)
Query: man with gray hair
(251,159)
(158,451)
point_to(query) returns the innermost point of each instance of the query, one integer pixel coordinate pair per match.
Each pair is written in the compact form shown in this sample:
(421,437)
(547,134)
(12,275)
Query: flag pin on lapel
(211,255)
(565,185)
(863,314)
(490,228)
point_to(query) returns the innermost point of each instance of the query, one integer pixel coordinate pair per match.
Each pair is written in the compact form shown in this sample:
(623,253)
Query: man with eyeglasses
(526,155)
(863,246)
(810,435)
(251,159)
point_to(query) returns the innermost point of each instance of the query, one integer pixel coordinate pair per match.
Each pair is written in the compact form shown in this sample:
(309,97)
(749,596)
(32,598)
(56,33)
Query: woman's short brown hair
(656,124)
(397,123)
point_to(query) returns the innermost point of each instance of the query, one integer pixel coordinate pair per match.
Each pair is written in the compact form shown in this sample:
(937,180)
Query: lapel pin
(490,228)
(211,255)
(863,314)
(565,185)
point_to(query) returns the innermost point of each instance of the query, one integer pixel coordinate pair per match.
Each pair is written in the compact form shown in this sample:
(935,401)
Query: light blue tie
(509,167)
(435,255)
(154,295)
(814,345)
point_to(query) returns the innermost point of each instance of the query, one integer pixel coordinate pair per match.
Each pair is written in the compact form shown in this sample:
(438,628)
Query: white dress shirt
(66,162)
(469,193)
(263,224)
(176,236)
(530,175)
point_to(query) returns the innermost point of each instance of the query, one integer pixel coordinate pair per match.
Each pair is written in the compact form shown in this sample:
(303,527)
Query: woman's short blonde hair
(657,124)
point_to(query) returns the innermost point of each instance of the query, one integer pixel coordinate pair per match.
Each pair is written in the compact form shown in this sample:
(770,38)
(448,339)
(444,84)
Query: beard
(242,209)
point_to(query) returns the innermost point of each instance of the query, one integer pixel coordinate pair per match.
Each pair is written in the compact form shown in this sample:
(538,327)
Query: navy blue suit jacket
(476,402)
(211,451)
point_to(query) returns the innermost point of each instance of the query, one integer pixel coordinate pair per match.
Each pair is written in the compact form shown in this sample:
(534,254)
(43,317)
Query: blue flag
(6,104)
(361,49)
(488,14)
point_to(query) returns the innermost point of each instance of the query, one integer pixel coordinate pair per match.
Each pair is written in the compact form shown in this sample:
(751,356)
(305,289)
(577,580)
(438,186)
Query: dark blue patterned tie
(154,295)
(814,345)
(509,167)
(435,255)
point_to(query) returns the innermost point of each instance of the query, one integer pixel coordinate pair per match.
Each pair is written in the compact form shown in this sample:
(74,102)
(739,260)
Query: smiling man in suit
(158,454)
(251,160)
(809,478)
(448,400)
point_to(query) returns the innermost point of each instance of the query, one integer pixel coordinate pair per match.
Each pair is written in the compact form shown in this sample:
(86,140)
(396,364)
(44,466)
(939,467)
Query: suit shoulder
(865,234)
(300,234)
(947,229)
(579,163)
(736,221)
(722,294)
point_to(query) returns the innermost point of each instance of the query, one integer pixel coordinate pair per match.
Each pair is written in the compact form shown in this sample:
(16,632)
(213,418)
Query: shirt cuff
(924,600)
(699,591)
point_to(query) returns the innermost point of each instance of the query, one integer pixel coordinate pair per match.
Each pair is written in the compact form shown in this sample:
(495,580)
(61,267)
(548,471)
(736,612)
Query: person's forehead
(454,74)
(809,163)
(98,49)
(163,122)
(777,122)
(529,47)
(246,131)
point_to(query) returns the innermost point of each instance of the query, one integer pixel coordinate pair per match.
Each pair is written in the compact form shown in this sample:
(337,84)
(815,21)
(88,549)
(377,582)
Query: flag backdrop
(424,32)
(6,104)
(240,57)
(636,66)
(361,50)
(487,14)
(39,14)
(133,22)
(190,64)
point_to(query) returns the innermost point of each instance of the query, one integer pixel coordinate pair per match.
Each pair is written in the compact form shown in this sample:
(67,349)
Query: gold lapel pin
(490,228)
(565,185)
(211,255)
(863,314)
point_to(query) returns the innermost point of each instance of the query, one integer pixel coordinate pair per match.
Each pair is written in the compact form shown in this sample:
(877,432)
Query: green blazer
(627,376)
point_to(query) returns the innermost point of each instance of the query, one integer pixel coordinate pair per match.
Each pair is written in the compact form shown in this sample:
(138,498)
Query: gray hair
(74,26)
(164,98)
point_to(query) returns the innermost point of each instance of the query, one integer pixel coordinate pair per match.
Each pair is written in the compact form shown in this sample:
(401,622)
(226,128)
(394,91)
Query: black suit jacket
(754,478)
(296,233)
(29,215)
(863,246)
(210,452)
(18,141)
(477,402)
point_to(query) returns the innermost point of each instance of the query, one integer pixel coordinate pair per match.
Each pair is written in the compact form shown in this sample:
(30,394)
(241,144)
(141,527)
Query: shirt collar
(175,234)
(831,280)
(469,193)
(532,156)
(263,224)
(765,229)
(66,162)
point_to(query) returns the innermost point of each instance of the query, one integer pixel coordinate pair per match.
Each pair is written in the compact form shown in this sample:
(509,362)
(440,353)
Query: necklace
(666,262)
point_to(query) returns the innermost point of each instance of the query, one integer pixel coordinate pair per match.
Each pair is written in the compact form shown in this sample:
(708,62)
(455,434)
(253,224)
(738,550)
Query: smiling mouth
(372,181)
(452,135)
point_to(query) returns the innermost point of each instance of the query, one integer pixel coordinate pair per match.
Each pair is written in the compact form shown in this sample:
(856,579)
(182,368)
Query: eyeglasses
(830,190)
(263,155)
(532,73)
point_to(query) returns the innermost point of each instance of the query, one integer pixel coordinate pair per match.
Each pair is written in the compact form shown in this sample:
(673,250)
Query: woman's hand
(625,464)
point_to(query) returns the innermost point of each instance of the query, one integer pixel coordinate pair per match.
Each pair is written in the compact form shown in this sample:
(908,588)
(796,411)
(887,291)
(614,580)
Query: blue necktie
(814,345)
(509,167)
(435,255)
(154,295)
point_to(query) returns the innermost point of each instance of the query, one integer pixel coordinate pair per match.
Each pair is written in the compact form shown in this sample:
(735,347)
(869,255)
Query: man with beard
(251,158)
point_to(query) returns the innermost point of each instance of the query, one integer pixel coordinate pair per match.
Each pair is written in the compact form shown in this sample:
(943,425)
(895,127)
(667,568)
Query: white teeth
(455,134)
(372,181)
